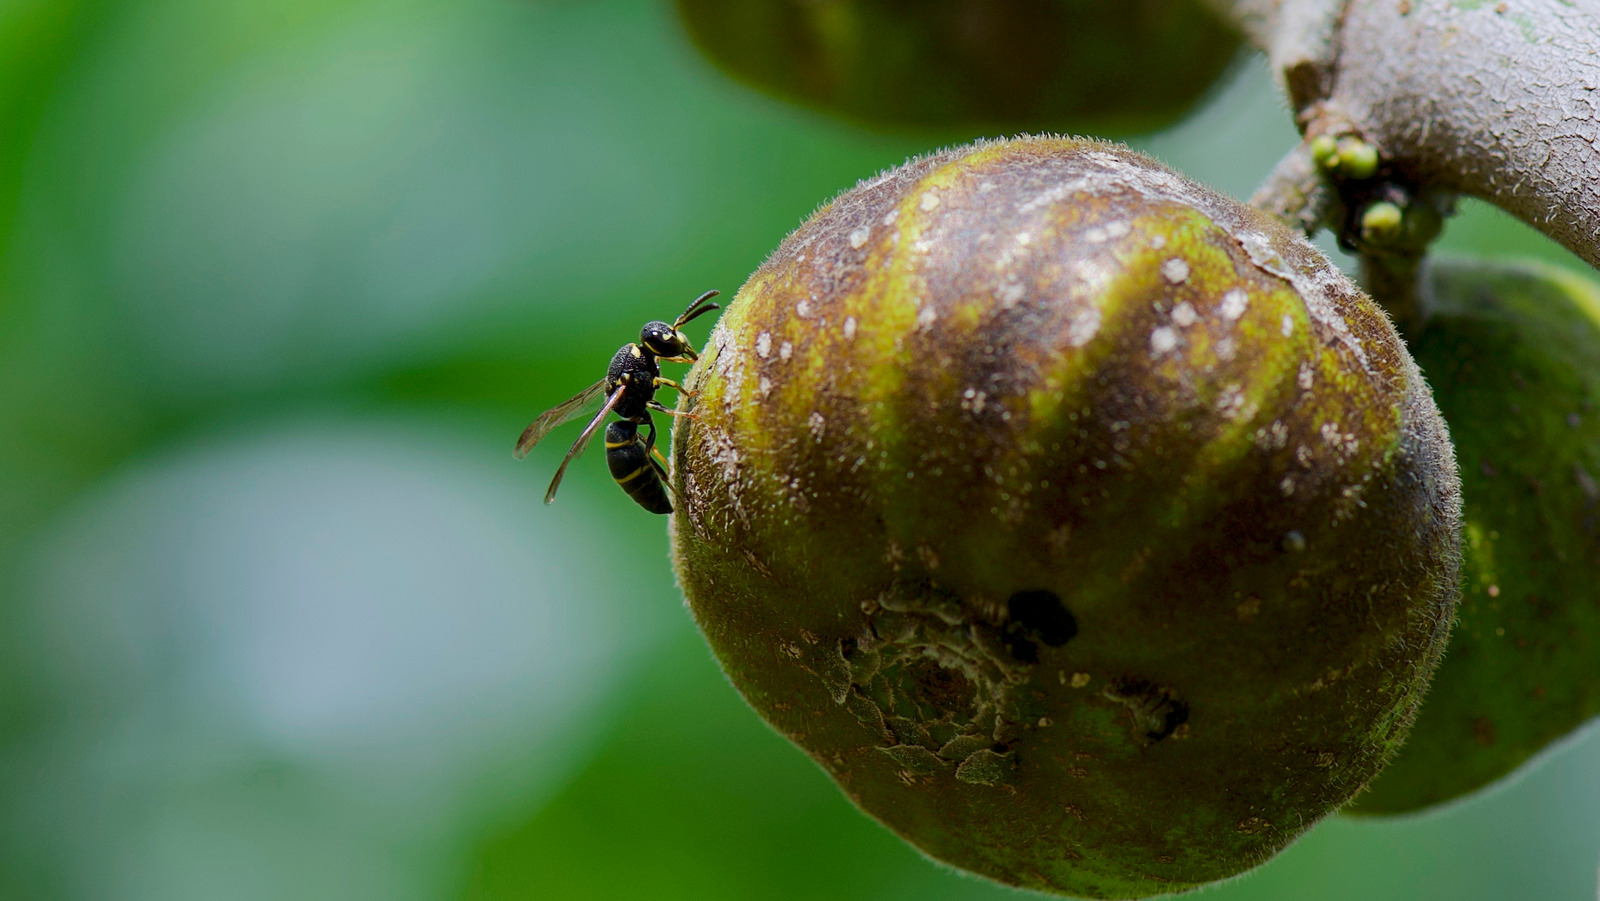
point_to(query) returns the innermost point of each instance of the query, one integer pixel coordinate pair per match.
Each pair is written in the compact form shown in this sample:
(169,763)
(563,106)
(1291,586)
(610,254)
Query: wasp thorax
(1089,528)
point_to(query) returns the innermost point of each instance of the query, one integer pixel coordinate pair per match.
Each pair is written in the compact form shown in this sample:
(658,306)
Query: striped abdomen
(628,455)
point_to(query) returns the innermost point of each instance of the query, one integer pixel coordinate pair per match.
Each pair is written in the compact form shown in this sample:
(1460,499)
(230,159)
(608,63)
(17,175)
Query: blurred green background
(280,282)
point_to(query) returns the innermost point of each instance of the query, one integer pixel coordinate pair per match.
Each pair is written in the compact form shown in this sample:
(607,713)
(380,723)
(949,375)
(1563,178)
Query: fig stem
(1399,283)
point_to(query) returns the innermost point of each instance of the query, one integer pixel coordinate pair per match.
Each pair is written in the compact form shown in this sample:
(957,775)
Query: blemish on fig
(1234,303)
(925,675)
(1010,293)
(1156,710)
(1586,484)
(1293,541)
(1248,608)
(1043,616)
(915,758)
(939,688)
(1021,649)
(1253,825)
(1085,323)
(985,767)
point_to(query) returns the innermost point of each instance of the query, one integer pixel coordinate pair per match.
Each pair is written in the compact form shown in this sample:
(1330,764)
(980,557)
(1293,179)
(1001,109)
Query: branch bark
(1498,100)
(1295,192)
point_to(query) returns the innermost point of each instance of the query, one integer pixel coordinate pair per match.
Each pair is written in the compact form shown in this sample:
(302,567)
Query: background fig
(1513,354)
(1089,528)
(1085,65)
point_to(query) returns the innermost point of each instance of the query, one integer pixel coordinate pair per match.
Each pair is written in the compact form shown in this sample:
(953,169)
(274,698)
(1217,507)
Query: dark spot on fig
(1022,650)
(1483,731)
(1156,710)
(940,688)
(1175,715)
(1034,616)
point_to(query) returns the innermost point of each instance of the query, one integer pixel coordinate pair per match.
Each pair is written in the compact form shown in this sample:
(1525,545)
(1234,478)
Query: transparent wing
(564,412)
(583,440)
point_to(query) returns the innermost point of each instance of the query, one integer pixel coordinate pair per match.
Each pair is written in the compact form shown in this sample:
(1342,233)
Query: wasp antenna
(698,308)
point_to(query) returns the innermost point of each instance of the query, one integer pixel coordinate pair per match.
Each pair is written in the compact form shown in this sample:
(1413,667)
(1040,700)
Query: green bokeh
(280,281)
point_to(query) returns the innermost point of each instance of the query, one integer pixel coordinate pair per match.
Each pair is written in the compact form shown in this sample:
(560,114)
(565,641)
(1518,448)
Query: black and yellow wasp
(629,389)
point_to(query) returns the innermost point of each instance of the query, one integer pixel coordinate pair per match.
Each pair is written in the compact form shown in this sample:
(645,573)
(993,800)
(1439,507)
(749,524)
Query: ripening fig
(1088,65)
(1513,354)
(1089,528)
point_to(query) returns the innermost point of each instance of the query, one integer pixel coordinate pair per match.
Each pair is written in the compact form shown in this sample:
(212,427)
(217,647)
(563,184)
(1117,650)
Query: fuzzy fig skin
(1513,353)
(1089,528)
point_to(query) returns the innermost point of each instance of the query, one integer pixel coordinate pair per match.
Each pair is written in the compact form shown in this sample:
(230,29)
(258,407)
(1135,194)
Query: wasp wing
(561,413)
(583,440)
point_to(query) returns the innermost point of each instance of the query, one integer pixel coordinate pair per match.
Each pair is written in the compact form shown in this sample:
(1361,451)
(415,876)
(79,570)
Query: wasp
(629,389)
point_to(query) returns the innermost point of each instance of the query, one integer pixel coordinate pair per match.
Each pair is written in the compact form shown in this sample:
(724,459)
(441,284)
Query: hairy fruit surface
(1513,354)
(1089,528)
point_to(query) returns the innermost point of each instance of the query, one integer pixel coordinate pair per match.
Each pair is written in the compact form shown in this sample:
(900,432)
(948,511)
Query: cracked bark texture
(1498,100)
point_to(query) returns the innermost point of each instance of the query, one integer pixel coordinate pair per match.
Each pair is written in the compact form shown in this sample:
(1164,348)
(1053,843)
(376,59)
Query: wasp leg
(656,406)
(659,461)
(669,383)
(654,454)
(650,440)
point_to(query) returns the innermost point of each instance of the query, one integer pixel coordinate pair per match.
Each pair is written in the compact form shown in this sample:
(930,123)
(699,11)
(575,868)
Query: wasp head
(667,342)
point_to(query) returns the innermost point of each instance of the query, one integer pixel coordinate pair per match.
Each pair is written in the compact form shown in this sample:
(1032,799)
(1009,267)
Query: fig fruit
(1513,354)
(1086,65)
(1089,528)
